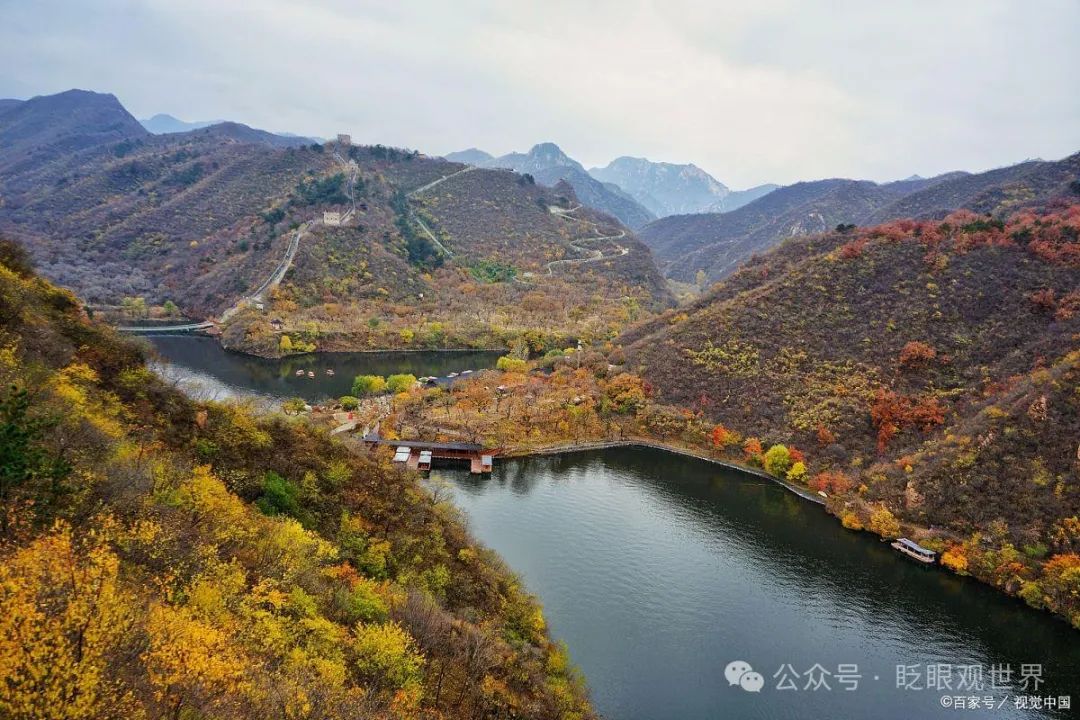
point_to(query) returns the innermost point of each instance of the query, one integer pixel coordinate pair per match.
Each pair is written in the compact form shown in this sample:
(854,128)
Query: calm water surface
(205,369)
(658,570)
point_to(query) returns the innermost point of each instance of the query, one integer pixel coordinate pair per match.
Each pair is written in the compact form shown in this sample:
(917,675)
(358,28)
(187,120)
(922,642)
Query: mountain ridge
(674,189)
(548,164)
(715,244)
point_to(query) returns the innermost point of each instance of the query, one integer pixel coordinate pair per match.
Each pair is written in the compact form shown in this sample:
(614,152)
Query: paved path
(592,255)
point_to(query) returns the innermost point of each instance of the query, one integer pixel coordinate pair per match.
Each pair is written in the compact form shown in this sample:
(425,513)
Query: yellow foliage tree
(61,614)
(851,521)
(955,559)
(191,662)
(884,523)
(386,656)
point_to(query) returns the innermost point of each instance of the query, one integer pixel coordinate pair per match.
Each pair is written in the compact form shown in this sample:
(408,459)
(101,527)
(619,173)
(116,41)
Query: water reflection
(659,569)
(204,369)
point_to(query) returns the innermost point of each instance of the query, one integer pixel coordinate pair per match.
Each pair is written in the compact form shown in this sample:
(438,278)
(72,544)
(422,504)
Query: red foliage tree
(721,437)
(831,482)
(916,354)
(825,436)
(891,413)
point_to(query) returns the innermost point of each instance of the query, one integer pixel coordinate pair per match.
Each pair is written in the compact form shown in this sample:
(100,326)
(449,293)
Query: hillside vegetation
(707,247)
(929,369)
(188,223)
(161,558)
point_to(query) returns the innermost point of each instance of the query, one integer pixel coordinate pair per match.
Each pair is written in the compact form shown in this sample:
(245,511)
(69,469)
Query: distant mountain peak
(163,123)
(552,153)
(548,165)
(78,118)
(470,156)
(668,188)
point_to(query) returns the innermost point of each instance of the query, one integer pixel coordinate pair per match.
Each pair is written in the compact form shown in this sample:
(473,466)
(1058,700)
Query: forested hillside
(189,223)
(710,246)
(925,368)
(164,558)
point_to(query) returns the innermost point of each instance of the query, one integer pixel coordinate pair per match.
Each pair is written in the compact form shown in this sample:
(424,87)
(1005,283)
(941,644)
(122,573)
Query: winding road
(577,244)
(593,255)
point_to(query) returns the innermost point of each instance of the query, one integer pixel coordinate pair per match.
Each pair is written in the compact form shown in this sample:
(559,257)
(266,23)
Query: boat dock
(420,455)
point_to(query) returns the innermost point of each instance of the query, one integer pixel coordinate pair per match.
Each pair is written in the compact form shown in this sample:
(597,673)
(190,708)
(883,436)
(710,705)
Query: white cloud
(769,90)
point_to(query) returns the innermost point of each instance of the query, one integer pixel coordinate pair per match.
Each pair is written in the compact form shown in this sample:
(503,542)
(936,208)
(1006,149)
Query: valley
(902,357)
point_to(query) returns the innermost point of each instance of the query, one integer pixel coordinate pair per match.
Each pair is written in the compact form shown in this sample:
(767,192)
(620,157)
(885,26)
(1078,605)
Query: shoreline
(524,451)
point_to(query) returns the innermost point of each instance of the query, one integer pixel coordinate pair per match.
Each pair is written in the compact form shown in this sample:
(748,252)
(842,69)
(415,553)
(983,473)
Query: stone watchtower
(331,218)
(344,140)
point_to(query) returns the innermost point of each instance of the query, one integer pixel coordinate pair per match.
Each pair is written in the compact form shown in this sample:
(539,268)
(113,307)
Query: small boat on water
(311,373)
(452,375)
(330,371)
(915,551)
(466,372)
(424,463)
(299,373)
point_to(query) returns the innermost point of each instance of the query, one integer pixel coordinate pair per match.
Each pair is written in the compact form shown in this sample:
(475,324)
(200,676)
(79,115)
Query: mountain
(238,132)
(8,104)
(715,244)
(548,164)
(995,191)
(737,198)
(669,189)
(472,156)
(63,123)
(925,368)
(163,123)
(431,255)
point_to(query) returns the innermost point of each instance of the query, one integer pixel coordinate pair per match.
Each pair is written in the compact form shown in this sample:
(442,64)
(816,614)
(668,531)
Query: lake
(206,370)
(659,570)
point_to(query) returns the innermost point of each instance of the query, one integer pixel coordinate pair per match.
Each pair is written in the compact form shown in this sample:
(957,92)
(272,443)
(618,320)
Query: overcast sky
(752,91)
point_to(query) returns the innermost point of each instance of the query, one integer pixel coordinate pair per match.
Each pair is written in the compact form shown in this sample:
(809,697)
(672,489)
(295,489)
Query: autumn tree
(294,406)
(400,382)
(916,354)
(368,385)
(506,363)
(624,393)
(891,413)
(777,460)
(63,616)
(721,437)
(386,659)
(884,523)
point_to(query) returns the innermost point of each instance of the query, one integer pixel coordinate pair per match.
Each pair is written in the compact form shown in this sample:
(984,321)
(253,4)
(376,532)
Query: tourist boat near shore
(299,373)
(330,371)
(915,551)
(311,373)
